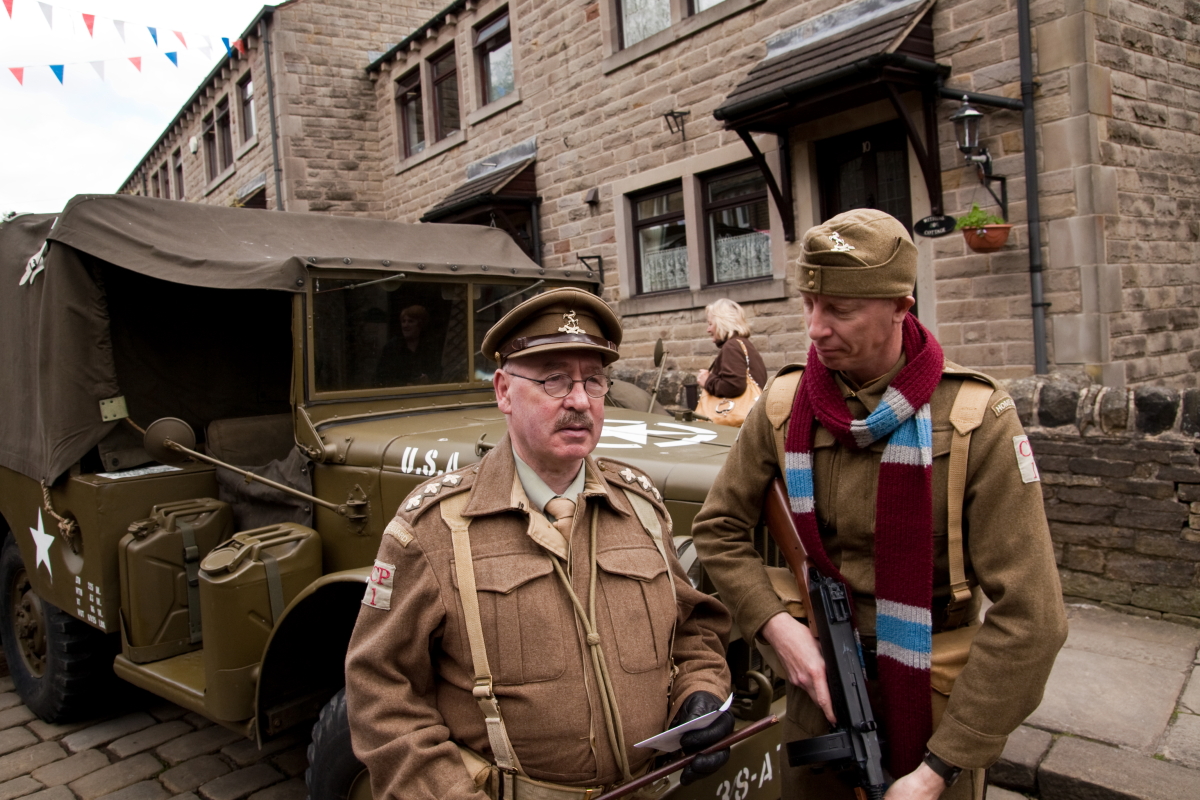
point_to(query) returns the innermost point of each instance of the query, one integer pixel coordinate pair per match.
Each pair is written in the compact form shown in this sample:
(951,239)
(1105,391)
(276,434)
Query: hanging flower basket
(986,238)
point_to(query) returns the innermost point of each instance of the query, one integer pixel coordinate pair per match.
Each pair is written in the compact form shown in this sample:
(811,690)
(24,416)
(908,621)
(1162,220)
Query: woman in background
(726,376)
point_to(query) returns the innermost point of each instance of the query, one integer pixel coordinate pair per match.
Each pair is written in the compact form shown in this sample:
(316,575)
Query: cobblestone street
(155,751)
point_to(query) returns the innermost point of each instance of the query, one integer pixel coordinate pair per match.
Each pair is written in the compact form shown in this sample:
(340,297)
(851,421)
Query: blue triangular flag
(153,35)
(174,58)
(57,69)
(228,49)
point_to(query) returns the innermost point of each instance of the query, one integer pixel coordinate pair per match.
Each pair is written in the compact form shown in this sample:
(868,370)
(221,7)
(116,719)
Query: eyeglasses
(560,385)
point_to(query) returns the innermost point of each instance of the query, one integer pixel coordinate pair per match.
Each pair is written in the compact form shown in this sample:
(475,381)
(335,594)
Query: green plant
(977,218)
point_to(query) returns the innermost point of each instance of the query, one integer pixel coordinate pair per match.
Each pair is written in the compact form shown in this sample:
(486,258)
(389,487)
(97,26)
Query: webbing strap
(191,565)
(502,750)
(966,415)
(274,585)
(649,519)
(780,395)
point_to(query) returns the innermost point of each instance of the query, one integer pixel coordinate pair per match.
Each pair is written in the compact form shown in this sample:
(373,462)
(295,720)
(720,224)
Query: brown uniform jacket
(409,671)
(727,373)
(1006,538)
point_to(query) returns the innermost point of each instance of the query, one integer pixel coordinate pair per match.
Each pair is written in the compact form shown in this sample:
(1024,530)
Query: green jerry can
(160,568)
(245,585)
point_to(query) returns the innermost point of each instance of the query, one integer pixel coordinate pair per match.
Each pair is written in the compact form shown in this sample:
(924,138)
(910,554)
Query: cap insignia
(572,324)
(452,480)
(414,502)
(628,475)
(840,245)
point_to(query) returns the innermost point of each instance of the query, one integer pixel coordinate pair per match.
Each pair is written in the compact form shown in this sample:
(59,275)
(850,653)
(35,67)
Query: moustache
(574,419)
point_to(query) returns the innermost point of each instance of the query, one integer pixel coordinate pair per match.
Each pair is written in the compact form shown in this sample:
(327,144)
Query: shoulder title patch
(379,586)
(1003,405)
(398,531)
(1025,462)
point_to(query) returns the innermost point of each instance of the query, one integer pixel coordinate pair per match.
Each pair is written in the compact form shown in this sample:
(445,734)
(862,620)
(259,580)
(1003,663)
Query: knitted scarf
(903,524)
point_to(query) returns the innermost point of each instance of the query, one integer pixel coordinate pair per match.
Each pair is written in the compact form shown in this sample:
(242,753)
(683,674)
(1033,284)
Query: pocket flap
(639,563)
(505,573)
(950,652)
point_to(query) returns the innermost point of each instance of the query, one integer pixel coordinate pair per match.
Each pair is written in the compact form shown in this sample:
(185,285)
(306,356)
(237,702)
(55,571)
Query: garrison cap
(560,319)
(859,253)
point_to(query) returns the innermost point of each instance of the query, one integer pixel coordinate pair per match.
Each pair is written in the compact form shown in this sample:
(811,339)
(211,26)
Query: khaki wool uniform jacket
(1006,538)
(409,671)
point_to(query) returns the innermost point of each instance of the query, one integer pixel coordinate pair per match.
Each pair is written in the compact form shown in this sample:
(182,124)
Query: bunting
(174,58)
(90,21)
(18,73)
(153,34)
(8,7)
(58,70)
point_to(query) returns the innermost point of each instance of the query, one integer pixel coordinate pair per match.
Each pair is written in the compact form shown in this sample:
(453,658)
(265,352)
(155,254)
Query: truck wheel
(61,667)
(333,771)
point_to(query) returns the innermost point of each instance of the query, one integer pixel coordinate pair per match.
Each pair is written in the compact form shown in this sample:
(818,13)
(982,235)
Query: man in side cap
(893,499)
(539,624)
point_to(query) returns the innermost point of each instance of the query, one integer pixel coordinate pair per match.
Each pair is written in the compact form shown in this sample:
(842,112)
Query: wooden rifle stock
(782,528)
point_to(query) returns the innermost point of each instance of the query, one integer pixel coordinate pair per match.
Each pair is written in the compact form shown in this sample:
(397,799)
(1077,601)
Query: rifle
(855,740)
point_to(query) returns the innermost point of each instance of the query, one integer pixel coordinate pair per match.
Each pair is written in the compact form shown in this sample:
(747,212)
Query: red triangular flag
(240,45)
(136,61)
(8,6)
(18,72)
(179,34)
(90,21)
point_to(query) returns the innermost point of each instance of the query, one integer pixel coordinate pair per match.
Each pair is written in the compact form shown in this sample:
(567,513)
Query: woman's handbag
(730,410)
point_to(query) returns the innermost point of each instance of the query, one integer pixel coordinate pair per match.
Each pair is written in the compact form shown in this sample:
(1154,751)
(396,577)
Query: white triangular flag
(120,26)
(48,10)
(99,67)
(206,47)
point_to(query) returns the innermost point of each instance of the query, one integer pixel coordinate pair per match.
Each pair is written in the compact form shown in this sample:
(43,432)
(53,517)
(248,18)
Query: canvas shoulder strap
(966,415)
(781,393)
(649,519)
(452,512)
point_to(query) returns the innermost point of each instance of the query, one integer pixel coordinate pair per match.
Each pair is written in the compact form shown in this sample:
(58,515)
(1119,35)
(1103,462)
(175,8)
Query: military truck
(211,414)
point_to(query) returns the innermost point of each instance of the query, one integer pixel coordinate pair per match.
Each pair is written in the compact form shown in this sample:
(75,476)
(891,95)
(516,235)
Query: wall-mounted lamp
(675,122)
(966,132)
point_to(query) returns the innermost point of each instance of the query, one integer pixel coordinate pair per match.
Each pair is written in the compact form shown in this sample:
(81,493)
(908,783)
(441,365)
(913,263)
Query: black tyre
(61,667)
(333,771)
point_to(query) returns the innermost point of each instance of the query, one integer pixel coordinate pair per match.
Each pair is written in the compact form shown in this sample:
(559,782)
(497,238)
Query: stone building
(613,134)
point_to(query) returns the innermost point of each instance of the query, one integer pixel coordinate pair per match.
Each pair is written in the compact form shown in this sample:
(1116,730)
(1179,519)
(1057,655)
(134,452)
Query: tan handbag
(730,410)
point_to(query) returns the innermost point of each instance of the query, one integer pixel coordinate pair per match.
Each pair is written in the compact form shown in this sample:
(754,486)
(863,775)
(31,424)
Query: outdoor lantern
(966,130)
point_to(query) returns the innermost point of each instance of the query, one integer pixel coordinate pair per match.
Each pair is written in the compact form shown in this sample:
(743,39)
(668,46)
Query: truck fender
(304,661)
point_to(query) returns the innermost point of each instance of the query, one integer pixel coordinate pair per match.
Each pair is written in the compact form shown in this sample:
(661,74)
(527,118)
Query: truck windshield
(374,331)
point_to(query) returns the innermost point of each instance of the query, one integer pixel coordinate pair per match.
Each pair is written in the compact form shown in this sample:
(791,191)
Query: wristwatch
(947,772)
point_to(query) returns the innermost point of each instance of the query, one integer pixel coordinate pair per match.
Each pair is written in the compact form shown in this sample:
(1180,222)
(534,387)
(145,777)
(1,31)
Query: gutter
(1033,214)
(266,38)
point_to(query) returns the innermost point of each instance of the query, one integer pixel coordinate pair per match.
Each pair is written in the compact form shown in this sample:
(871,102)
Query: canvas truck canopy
(123,296)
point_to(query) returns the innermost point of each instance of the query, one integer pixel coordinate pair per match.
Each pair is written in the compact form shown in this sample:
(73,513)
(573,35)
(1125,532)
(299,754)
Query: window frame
(486,37)
(208,138)
(672,11)
(448,55)
(177,168)
(164,180)
(249,124)
(223,122)
(407,83)
(707,208)
(637,225)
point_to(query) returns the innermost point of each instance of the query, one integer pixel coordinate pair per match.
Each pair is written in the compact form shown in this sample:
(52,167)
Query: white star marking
(42,541)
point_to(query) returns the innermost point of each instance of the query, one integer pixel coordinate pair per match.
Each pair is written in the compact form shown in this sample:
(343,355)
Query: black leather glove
(696,705)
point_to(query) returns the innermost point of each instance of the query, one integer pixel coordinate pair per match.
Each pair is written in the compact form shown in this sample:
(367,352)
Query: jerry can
(159,562)
(245,585)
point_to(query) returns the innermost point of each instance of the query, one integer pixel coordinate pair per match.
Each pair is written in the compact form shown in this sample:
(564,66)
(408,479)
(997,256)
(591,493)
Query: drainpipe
(266,37)
(1033,212)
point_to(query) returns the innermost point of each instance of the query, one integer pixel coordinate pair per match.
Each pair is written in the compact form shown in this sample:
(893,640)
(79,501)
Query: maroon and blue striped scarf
(903,524)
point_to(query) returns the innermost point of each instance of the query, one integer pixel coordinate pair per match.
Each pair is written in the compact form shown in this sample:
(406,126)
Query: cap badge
(572,324)
(840,245)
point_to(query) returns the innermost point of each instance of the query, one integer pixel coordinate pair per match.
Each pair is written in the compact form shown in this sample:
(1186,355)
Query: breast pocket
(524,616)
(641,607)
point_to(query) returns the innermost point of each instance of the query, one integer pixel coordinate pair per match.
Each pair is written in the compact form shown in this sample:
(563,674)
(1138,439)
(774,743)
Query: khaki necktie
(563,511)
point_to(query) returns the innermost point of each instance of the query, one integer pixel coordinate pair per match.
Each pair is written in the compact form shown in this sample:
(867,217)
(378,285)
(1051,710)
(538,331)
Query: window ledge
(495,107)
(217,181)
(451,141)
(747,292)
(681,30)
(246,147)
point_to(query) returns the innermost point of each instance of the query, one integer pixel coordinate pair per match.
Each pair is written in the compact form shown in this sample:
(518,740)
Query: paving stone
(47,731)
(6,682)
(15,739)
(9,700)
(55,793)
(72,768)
(116,776)
(146,790)
(1161,644)
(1077,769)
(107,731)
(187,796)
(247,751)
(19,787)
(1190,701)
(192,774)
(165,711)
(994,793)
(240,784)
(1017,767)
(17,715)
(1110,699)
(292,762)
(1182,744)
(26,761)
(197,721)
(293,789)
(148,737)
(197,743)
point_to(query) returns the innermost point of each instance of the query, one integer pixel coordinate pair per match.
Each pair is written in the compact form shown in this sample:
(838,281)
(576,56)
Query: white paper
(668,741)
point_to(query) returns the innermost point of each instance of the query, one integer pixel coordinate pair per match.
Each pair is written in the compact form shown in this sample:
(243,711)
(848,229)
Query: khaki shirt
(409,671)
(1007,544)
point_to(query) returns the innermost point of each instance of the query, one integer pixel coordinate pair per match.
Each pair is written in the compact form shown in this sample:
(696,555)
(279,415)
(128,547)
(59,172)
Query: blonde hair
(727,319)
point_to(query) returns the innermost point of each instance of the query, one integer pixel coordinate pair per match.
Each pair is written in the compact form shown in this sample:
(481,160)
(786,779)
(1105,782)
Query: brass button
(812,283)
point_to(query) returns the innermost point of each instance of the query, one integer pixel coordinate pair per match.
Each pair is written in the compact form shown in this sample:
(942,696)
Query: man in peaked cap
(527,621)
(957,515)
